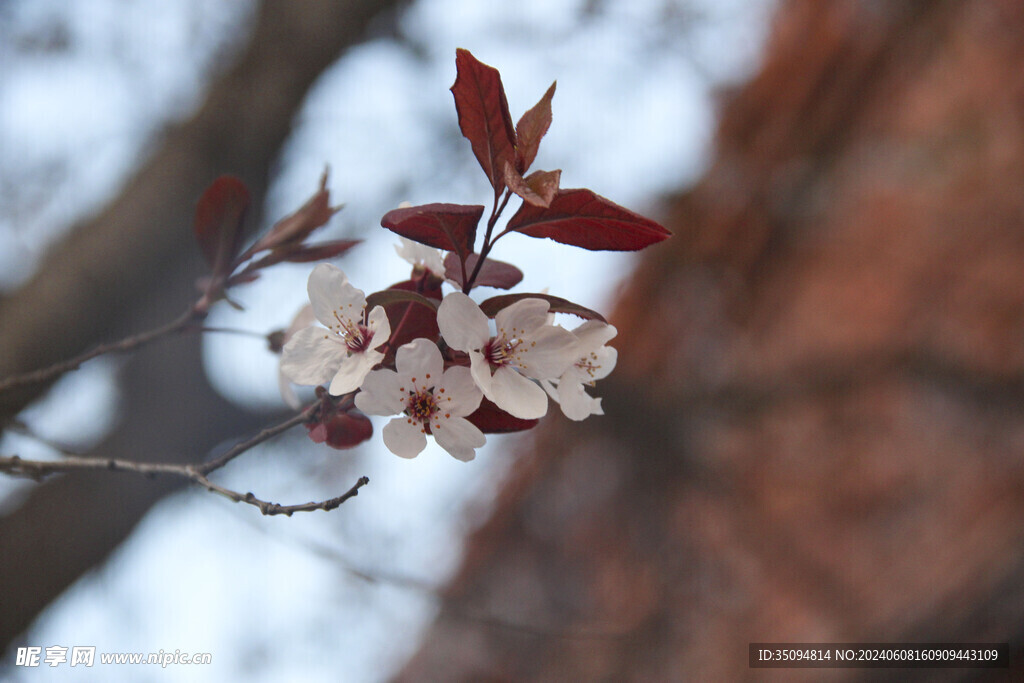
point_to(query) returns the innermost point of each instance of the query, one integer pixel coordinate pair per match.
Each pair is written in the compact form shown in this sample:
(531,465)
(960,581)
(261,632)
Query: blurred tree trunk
(816,429)
(132,267)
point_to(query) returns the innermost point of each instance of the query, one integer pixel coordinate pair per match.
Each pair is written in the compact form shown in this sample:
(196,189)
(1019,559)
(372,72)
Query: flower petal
(576,403)
(404,438)
(593,367)
(548,352)
(304,318)
(380,394)
(421,255)
(311,356)
(550,389)
(459,437)
(377,322)
(517,395)
(593,334)
(607,357)
(522,317)
(463,325)
(422,360)
(288,395)
(481,371)
(353,371)
(457,393)
(332,296)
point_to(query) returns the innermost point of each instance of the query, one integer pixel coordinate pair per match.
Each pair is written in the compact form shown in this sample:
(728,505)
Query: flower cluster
(441,363)
(516,366)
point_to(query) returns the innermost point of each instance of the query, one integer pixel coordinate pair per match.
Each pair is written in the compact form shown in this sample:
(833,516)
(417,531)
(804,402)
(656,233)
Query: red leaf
(491,419)
(492,274)
(411,315)
(584,219)
(531,128)
(491,306)
(340,430)
(302,253)
(395,296)
(429,286)
(296,227)
(321,251)
(293,253)
(539,188)
(218,222)
(451,227)
(483,116)
(206,283)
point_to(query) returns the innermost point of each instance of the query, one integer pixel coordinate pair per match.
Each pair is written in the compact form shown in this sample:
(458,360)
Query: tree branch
(196,473)
(39,469)
(125,345)
(287,510)
(265,434)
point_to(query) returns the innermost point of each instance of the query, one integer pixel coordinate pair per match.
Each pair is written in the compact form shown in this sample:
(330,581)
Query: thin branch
(485,249)
(259,438)
(408,309)
(268,508)
(127,344)
(39,469)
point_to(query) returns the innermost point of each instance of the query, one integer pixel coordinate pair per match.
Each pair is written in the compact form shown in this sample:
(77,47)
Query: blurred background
(815,431)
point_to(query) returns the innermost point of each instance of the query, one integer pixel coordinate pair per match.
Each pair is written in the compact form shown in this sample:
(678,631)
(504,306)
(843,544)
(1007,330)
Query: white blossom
(430,399)
(421,256)
(303,319)
(344,353)
(526,347)
(593,361)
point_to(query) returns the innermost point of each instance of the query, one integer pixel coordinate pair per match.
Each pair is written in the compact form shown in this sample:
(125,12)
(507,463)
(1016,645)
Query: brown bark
(132,267)
(815,430)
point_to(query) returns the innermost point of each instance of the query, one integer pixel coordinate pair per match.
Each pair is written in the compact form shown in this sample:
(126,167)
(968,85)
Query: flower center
(355,336)
(589,364)
(358,338)
(501,351)
(421,406)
